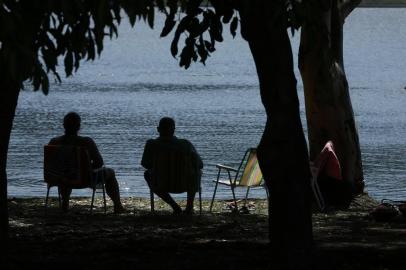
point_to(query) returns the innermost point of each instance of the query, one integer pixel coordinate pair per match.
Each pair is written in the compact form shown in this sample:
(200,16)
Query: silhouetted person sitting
(71,123)
(171,178)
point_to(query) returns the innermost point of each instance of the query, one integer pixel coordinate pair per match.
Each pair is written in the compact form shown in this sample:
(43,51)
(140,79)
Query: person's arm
(95,156)
(146,160)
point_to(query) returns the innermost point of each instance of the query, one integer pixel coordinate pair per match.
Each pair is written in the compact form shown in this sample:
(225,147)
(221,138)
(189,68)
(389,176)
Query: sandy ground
(137,239)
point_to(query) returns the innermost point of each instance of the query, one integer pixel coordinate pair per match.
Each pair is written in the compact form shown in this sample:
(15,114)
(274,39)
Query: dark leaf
(173,7)
(50,59)
(174,47)
(193,8)
(151,16)
(116,10)
(181,28)
(204,25)
(91,53)
(132,19)
(36,82)
(194,28)
(53,21)
(113,31)
(169,25)
(183,24)
(210,46)
(185,57)
(194,56)
(161,5)
(216,29)
(233,26)
(202,51)
(44,82)
(188,53)
(77,61)
(99,41)
(68,63)
(57,77)
(228,15)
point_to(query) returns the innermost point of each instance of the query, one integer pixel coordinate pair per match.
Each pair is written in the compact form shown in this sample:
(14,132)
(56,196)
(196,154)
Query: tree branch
(347,6)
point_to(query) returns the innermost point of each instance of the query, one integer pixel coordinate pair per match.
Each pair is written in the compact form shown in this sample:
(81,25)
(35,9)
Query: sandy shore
(138,239)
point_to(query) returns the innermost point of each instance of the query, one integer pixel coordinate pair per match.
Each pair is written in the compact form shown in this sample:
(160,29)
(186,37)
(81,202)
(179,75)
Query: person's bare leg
(65,194)
(112,189)
(190,200)
(166,197)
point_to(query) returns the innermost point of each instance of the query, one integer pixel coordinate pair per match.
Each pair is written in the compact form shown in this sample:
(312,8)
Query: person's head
(71,123)
(166,127)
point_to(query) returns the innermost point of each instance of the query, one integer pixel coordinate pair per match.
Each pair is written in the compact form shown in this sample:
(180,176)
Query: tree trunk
(328,105)
(8,102)
(282,152)
(16,66)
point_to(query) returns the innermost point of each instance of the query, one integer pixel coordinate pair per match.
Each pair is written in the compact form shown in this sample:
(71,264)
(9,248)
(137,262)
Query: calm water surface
(122,95)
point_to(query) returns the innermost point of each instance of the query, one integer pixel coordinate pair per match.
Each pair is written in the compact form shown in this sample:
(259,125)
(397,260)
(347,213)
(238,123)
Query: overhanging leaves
(75,30)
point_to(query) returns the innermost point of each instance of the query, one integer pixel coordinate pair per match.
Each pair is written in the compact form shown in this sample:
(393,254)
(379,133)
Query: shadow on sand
(222,239)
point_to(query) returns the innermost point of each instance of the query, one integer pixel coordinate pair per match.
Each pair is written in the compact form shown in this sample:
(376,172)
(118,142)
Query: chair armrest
(220,166)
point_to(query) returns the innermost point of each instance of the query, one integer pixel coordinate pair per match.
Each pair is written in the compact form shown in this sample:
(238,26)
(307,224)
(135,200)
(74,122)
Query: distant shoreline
(383,4)
(380,5)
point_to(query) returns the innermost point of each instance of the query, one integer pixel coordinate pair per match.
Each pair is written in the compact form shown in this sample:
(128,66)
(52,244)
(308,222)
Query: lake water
(122,95)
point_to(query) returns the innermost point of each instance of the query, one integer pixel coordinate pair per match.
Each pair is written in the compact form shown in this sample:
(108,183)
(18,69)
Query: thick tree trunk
(328,105)
(8,102)
(282,152)
(17,56)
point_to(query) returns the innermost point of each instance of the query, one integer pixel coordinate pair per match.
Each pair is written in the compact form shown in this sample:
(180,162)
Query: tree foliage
(36,35)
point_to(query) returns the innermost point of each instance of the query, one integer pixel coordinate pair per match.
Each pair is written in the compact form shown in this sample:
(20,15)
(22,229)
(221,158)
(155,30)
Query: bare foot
(188,212)
(119,209)
(177,210)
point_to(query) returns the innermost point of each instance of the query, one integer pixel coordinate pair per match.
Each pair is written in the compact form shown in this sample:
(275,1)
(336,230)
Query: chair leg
(267,192)
(200,200)
(47,197)
(151,195)
(215,190)
(246,196)
(317,194)
(267,198)
(104,200)
(91,204)
(235,199)
(319,198)
(59,198)
(232,186)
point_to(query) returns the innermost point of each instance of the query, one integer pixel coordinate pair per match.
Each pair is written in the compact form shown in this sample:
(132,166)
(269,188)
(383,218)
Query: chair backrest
(251,173)
(327,162)
(175,171)
(67,165)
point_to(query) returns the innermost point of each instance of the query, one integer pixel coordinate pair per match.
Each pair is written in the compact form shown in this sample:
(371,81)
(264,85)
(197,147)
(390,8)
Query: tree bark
(328,105)
(17,57)
(282,152)
(8,102)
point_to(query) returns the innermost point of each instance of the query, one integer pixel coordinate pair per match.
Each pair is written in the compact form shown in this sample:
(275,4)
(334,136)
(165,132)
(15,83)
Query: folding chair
(328,163)
(70,166)
(247,175)
(315,187)
(175,171)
